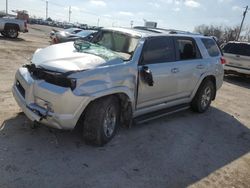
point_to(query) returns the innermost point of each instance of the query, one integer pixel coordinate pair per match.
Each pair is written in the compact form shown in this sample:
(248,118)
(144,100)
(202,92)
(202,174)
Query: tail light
(223,60)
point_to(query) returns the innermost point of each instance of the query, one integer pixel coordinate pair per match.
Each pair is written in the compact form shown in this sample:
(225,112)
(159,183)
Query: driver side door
(158,59)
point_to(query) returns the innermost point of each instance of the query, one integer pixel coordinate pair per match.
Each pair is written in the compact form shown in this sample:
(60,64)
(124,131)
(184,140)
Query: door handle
(200,66)
(175,70)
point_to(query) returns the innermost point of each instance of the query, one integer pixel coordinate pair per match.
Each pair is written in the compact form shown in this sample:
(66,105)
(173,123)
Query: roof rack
(162,30)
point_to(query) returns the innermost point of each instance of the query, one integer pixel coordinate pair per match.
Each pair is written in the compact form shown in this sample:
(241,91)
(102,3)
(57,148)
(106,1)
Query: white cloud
(224,1)
(124,13)
(75,8)
(98,3)
(156,5)
(107,15)
(236,8)
(177,9)
(177,2)
(192,3)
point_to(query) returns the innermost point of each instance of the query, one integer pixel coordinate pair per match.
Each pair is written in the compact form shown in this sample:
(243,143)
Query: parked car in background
(237,55)
(10,27)
(60,34)
(119,76)
(83,35)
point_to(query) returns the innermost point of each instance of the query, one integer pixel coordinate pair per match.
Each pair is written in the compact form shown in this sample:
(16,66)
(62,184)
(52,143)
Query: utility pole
(6,7)
(131,23)
(46,10)
(69,13)
(244,15)
(98,22)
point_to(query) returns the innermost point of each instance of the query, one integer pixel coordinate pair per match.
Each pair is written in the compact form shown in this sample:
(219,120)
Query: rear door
(158,56)
(190,65)
(237,55)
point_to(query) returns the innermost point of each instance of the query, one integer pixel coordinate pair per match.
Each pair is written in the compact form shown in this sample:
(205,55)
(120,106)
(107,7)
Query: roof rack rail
(147,29)
(162,30)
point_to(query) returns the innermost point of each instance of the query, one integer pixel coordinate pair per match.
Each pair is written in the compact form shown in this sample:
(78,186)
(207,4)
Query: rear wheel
(3,33)
(11,32)
(101,121)
(203,97)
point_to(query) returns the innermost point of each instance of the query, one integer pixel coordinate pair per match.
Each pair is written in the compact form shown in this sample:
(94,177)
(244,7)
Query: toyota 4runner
(120,76)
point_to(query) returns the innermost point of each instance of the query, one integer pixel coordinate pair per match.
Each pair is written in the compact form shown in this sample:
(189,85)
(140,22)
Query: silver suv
(121,76)
(237,55)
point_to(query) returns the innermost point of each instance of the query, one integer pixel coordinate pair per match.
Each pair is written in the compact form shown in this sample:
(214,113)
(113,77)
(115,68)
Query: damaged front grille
(52,77)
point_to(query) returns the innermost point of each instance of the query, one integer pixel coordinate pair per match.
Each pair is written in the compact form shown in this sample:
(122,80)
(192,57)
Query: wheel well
(125,106)
(213,79)
(8,25)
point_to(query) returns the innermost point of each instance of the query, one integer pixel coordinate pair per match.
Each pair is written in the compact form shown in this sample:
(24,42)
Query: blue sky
(175,14)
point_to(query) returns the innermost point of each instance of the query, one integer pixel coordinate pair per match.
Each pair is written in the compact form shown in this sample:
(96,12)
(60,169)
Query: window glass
(211,47)
(245,49)
(121,43)
(158,50)
(237,48)
(187,49)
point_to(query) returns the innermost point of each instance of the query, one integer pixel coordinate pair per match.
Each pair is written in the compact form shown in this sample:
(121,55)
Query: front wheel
(203,97)
(101,121)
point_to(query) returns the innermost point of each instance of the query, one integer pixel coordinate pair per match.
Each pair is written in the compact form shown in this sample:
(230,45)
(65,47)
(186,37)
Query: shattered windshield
(101,51)
(120,43)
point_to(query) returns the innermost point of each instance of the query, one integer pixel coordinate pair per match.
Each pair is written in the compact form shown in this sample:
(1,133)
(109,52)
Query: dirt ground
(180,150)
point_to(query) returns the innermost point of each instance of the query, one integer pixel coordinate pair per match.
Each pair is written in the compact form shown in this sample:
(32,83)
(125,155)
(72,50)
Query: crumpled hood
(64,57)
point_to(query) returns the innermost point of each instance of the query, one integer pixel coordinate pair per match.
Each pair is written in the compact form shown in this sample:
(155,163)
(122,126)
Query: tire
(11,32)
(203,97)
(101,121)
(3,33)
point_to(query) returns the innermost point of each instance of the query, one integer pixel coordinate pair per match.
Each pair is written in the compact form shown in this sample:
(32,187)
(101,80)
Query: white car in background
(237,55)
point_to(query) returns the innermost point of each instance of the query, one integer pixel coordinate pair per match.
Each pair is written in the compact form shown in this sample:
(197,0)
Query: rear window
(237,48)
(187,49)
(211,47)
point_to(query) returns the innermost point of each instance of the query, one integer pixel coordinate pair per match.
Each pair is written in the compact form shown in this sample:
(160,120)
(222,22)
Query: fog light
(44,104)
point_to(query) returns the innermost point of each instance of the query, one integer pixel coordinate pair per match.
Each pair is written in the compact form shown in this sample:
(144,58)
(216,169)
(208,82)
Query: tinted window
(186,49)
(158,50)
(211,47)
(237,48)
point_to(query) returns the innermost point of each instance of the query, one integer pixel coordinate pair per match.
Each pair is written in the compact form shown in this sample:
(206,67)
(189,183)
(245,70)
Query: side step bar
(160,113)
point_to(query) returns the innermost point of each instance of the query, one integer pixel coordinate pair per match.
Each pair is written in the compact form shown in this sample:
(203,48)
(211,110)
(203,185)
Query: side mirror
(147,76)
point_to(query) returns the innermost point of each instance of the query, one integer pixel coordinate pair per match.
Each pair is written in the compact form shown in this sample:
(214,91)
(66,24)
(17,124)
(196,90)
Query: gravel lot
(180,150)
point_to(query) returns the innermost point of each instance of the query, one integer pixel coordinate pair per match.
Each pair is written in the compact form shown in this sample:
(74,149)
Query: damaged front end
(52,77)
(43,95)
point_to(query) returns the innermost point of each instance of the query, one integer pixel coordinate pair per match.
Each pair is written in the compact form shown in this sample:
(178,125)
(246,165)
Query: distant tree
(49,19)
(223,33)
(211,30)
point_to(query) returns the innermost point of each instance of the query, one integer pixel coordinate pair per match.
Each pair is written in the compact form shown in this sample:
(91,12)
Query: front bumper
(67,107)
